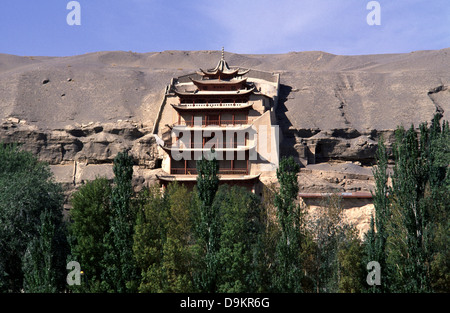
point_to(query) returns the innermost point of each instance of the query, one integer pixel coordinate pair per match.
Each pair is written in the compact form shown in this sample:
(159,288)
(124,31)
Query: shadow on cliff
(288,140)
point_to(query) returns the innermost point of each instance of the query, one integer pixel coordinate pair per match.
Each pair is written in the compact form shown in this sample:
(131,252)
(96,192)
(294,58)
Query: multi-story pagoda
(226,109)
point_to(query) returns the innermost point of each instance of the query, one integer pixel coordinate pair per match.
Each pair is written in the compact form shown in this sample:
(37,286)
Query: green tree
(329,234)
(288,273)
(351,272)
(207,223)
(43,262)
(267,251)
(90,217)
(437,201)
(241,230)
(376,241)
(335,257)
(418,232)
(148,239)
(163,240)
(120,269)
(410,218)
(30,214)
(177,260)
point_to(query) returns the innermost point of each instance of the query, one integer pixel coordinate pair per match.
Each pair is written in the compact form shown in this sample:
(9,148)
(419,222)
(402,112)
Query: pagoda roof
(217,71)
(222,68)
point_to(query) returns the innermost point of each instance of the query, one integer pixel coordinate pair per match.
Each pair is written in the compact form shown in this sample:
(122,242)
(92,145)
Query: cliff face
(321,91)
(77,112)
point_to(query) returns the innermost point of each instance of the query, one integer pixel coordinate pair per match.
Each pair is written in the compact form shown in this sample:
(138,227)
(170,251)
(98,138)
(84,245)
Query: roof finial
(223,54)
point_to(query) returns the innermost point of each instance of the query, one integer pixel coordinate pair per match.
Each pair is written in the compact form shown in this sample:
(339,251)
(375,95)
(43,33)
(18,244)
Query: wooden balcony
(212,105)
(206,144)
(221,123)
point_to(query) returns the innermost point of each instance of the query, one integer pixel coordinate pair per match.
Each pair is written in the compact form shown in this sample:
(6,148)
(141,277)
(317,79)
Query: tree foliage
(120,270)
(32,232)
(163,240)
(225,238)
(336,250)
(376,240)
(240,234)
(90,217)
(207,226)
(148,239)
(412,223)
(288,273)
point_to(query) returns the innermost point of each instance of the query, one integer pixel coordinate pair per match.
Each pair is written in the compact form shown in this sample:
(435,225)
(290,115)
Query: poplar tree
(148,239)
(410,218)
(176,247)
(120,269)
(376,240)
(288,272)
(39,272)
(438,202)
(410,234)
(90,218)
(241,230)
(207,225)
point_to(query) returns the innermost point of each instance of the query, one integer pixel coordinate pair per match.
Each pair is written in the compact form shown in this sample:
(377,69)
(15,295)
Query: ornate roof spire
(223,68)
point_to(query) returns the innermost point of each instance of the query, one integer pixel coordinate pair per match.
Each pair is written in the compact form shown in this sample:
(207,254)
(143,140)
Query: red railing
(213,104)
(214,123)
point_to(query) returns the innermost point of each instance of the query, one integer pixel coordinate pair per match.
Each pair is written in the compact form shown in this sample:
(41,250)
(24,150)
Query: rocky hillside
(77,112)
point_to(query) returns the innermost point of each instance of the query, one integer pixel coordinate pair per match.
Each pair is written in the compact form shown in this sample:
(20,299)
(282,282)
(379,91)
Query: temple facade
(223,112)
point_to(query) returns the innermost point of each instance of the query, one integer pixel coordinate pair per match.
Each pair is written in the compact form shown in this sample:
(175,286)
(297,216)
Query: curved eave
(217,71)
(192,178)
(236,72)
(217,81)
(244,72)
(215,93)
(237,178)
(170,178)
(210,106)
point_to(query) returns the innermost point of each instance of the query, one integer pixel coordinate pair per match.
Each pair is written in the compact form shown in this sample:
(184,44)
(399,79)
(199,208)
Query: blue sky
(39,27)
